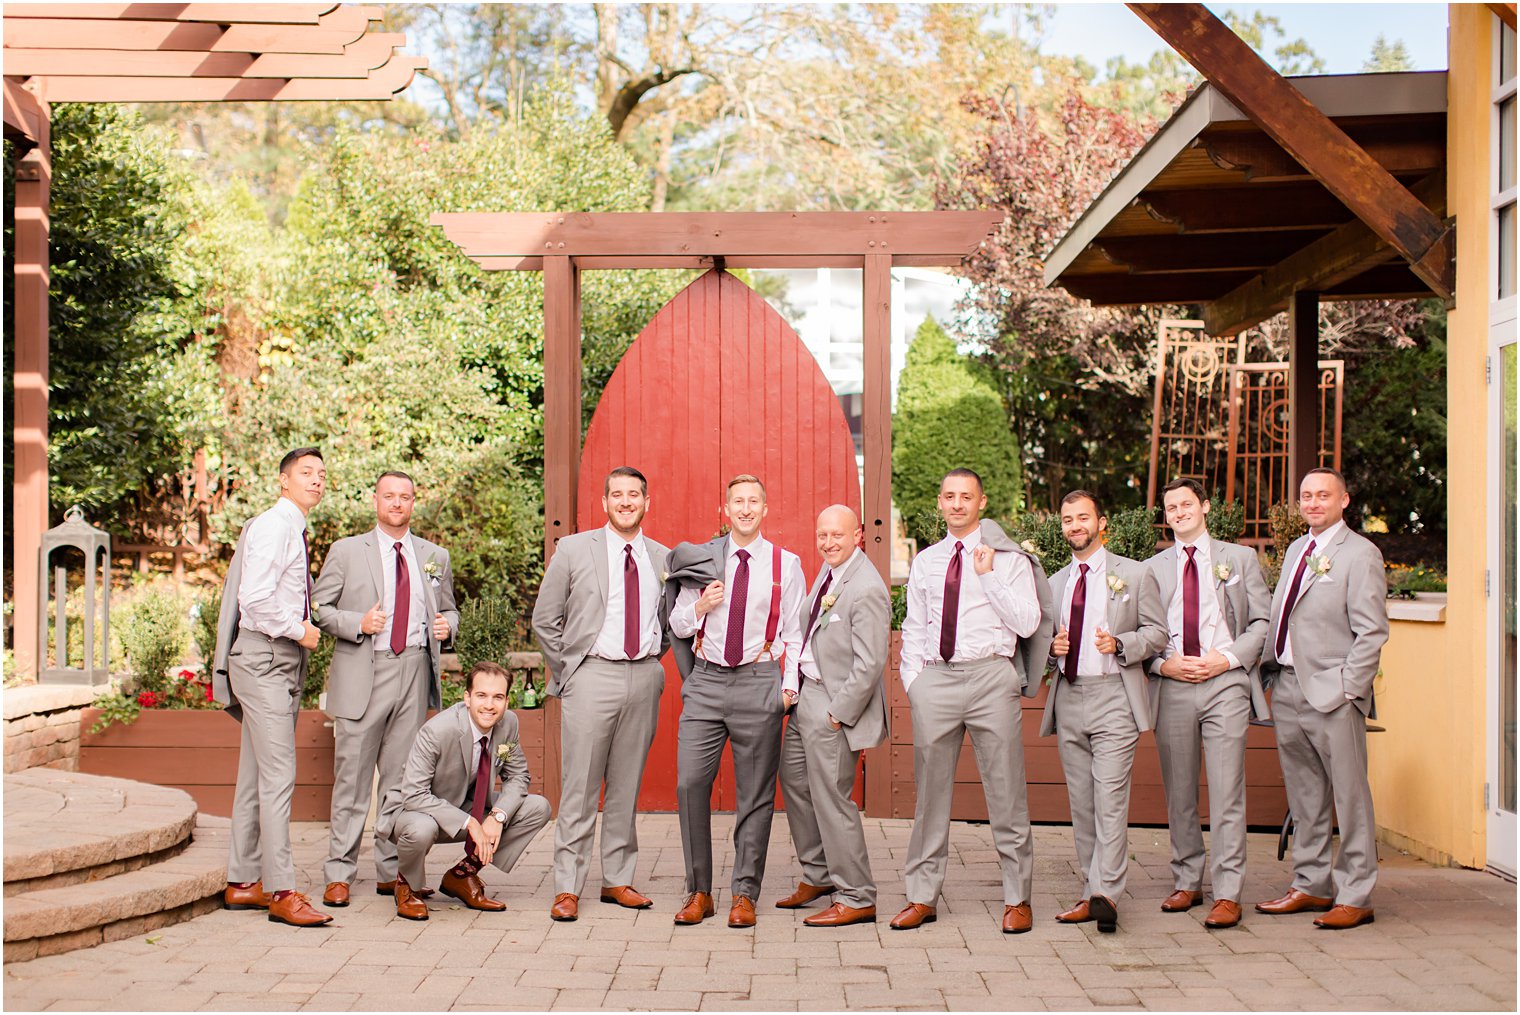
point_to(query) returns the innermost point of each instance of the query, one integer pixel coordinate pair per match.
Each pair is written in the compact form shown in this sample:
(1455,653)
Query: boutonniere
(1320,565)
(1028,546)
(1117,586)
(1222,572)
(664,577)
(505,751)
(433,571)
(829,601)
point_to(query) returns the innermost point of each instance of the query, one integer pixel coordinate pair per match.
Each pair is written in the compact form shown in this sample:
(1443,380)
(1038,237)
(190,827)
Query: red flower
(147,699)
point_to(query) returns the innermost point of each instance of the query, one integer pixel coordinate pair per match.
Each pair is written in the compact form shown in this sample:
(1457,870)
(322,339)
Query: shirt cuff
(297,631)
(791,682)
(1232,659)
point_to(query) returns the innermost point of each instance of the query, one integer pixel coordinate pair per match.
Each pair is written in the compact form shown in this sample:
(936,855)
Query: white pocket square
(835,618)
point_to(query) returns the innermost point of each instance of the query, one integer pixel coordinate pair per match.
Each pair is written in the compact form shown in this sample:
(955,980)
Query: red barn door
(716,385)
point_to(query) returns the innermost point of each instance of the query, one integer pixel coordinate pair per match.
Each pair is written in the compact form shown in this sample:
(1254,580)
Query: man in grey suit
(973,610)
(258,672)
(1329,623)
(445,796)
(598,625)
(387,596)
(841,711)
(1112,621)
(1206,687)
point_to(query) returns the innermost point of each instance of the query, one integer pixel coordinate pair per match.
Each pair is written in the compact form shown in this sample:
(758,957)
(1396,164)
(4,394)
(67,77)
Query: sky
(1342,34)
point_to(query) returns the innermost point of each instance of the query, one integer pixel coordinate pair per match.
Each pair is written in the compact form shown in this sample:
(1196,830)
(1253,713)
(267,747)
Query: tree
(1387,57)
(948,417)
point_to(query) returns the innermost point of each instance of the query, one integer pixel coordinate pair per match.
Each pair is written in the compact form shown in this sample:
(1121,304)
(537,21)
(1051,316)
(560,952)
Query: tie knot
(1085,569)
(743,556)
(485,742)
(1310,548)
(628,549)
(398,546)
(1190,551)
(959,546)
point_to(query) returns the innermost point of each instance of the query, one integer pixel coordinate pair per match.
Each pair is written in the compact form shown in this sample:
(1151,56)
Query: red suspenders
(773,618)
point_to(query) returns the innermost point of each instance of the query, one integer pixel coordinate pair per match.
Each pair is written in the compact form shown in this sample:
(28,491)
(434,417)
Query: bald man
(841,711)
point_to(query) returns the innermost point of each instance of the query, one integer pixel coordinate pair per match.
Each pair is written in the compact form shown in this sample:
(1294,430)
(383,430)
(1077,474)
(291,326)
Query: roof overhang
(1212,211)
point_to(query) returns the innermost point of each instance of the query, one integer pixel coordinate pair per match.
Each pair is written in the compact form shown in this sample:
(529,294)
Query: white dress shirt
(1320,541)
(806,664)
(684,621)
(417,620)
(273,588)
(1213,632)
(996,609)
(1091,662)
(609,642)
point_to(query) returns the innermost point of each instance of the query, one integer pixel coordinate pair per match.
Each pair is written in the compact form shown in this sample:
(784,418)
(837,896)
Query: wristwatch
(500,816)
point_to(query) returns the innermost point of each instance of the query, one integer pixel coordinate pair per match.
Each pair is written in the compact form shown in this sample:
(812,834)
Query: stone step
(68,828)
(48,921)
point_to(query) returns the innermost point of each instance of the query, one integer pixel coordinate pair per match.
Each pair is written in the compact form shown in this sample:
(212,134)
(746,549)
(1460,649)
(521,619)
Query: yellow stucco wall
(1427,771)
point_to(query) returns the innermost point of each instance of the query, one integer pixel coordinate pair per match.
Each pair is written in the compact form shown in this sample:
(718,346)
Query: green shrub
(899,595)
(488,628)
(1404,581)
(154,634)
(1132,533)
(317,665)
(1226,519)
(1043,532)
(203,619)
(1285,524)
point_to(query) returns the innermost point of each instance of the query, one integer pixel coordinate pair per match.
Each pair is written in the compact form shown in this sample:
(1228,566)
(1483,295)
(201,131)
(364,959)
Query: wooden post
(1303,388)
(876,502)
(29,496)
(562,397)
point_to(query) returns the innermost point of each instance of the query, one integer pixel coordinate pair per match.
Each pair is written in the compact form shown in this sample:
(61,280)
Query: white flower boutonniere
(1117,587)
(505,751)
(664,577)
(433,571)
(1222,572)
(1320,565)
(1028,546)
(829,601)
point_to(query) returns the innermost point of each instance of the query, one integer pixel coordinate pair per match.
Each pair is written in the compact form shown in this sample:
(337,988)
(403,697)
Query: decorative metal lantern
(77,534)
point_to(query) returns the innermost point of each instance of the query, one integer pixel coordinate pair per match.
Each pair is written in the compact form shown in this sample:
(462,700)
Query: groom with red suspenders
(747,633)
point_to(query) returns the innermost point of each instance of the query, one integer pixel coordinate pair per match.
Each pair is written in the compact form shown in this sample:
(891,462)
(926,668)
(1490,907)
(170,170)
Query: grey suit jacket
(439,772)
(351,583)
(572,602)
(1245,601)
(849,645)
(1137,618)
(1339,622)
(1032,656)
(226,634)
(689,564)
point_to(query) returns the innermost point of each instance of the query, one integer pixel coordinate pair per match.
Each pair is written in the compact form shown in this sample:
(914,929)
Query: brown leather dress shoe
(1017,919)
(296,911)
(1224,913)
(389,888)
(470,891)
(1343,918)
(913,916)
(698,907)
(1080,913)
(625,896)
(804,894)
(252,897)
(742,912)
(566,908)
(1105,912)
(840,915)
(336,895)
(1295,902)
(408,905)
(1181,901)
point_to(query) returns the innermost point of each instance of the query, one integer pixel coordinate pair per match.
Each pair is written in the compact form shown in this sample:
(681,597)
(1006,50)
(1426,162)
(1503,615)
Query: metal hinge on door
(1485,796)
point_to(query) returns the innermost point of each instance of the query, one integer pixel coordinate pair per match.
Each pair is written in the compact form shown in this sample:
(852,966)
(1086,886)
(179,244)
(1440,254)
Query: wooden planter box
(1266,800)
(197,751)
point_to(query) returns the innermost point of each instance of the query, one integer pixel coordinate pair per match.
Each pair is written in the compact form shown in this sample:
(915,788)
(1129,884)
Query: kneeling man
(445,796)
(841,712)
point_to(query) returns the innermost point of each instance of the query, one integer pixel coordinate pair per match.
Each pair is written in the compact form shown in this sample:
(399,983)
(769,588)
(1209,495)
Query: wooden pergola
(146,52)
(1261,195)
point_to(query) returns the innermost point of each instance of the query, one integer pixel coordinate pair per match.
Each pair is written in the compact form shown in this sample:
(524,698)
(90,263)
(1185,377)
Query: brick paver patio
(1444,939)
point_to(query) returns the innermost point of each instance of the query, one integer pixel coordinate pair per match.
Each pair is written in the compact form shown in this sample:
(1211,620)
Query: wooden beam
(356,61)
(380,84)
(729,234)
(270,13)
(29,406)
(23,113)
(1303,388)
(1257,208)
(1124,289)
(876,502)
(562,398)
(1504,12)
(1399,150)
(330,35)
(1341,255)
(1309,136)
(1216,252)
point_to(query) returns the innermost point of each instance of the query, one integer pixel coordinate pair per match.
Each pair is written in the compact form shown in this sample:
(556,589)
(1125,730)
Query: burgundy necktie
(1074,629)
(1190,646)
(1288,600)
(481,791)
(306,572)
(738,601)
(952,612)
(630,603)
(813,614)
(400,616)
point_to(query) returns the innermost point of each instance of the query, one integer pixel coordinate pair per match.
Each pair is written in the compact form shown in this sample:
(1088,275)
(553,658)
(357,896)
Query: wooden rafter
(1323,148)
(270,13)
(1505,12)
(330,34)
(24,115)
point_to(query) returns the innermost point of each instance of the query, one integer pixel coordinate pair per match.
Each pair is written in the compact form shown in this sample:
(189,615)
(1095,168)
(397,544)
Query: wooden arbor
(563,245)
(146,52)
(1261,195)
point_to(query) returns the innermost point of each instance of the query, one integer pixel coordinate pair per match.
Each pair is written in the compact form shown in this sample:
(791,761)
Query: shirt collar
(1325,538)
(1097,562)
(753,549)
(386,542)
(844,563)
(968,542)
(1202,542)
(289,509)
(614,538)
(478,732)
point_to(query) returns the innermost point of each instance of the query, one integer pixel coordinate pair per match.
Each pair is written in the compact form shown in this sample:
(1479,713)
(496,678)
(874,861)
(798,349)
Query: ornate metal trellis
(1224,422)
